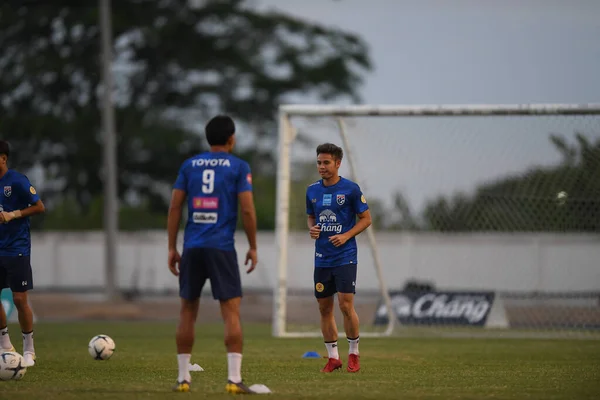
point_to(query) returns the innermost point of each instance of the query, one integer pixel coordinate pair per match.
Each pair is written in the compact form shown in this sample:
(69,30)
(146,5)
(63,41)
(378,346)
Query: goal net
(485,218)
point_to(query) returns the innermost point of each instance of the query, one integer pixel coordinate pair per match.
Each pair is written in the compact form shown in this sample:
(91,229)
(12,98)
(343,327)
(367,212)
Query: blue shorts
(329,280)
(15,273)
(219,266)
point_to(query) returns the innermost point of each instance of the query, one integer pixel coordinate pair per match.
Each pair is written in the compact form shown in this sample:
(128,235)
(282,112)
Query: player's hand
(315,231)
(252,258)
(6,217)
(174,259)
(338,240)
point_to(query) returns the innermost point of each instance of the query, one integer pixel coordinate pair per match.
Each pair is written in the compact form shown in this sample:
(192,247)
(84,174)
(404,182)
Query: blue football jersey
(212,182)
(335,209)
(17,194)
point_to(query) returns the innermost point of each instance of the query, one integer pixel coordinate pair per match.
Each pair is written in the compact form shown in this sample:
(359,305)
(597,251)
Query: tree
(174,67)
(529,202)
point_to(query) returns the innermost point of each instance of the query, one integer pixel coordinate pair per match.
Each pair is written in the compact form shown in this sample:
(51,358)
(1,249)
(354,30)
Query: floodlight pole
(111,201)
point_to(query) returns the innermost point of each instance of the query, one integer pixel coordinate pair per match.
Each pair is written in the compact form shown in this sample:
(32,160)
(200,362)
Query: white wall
(482,261)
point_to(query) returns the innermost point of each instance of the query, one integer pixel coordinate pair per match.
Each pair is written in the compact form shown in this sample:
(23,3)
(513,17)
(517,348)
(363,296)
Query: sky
(463,52)
(469,51)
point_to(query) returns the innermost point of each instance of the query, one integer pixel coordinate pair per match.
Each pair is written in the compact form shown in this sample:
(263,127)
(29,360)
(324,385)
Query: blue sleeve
(29,193)
(181,182)
(244,181)
(359,203)
(310,210)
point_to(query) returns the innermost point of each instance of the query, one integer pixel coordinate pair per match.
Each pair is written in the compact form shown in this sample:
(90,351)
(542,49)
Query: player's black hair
(4,148)
(219,129)
(330,148)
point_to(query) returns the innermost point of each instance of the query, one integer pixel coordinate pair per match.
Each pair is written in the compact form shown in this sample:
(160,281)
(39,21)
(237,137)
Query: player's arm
(314,229)
(37,208)
(361,209)
(174,217)
(311,221)
(249,221)
(364,221)
(248,217)
(178,196)
(244,190)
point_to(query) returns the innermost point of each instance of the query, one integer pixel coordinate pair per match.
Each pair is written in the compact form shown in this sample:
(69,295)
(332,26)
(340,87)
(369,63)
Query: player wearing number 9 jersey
(213,183)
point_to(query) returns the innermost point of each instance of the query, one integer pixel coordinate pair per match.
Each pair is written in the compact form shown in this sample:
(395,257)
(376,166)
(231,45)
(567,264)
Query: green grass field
(144,366)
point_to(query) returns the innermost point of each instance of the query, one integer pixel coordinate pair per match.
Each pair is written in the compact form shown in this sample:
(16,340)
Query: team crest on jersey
(7,191)
(32,190)
(319,287)
(249,178)
(341,199)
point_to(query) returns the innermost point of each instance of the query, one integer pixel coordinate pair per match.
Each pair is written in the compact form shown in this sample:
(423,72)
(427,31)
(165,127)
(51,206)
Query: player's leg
(5,343)
(345,277)
(20,279)
(234,338)
(185,340)
(324,291)
(226,286)
(191,281)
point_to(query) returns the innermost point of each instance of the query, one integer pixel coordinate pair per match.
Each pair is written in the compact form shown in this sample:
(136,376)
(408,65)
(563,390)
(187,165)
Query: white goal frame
(287,134)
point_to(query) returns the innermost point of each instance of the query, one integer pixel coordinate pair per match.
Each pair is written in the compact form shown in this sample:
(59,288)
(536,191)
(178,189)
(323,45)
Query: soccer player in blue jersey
(333,205)
(213,184)
(18,201)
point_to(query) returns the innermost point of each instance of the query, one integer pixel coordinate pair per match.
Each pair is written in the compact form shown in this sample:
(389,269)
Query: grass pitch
(144,366)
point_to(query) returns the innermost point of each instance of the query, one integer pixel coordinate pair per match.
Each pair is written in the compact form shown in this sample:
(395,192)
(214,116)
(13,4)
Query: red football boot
(353,363)
(332,365)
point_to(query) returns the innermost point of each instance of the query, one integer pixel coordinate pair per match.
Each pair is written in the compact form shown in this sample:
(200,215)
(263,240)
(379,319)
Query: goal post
(286,135)
(401,248)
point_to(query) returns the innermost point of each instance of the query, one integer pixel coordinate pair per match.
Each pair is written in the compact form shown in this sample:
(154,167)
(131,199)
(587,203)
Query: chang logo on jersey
(328,222)
(211,162)
(205,218)
(327,216)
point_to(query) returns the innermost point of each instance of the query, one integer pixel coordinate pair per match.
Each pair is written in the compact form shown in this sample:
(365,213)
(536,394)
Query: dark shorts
(329,280)
(15,273)
(219,266)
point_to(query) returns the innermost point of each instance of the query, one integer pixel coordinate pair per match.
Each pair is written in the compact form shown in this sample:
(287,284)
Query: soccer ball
(561,198)
(101,347)
(11,366)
